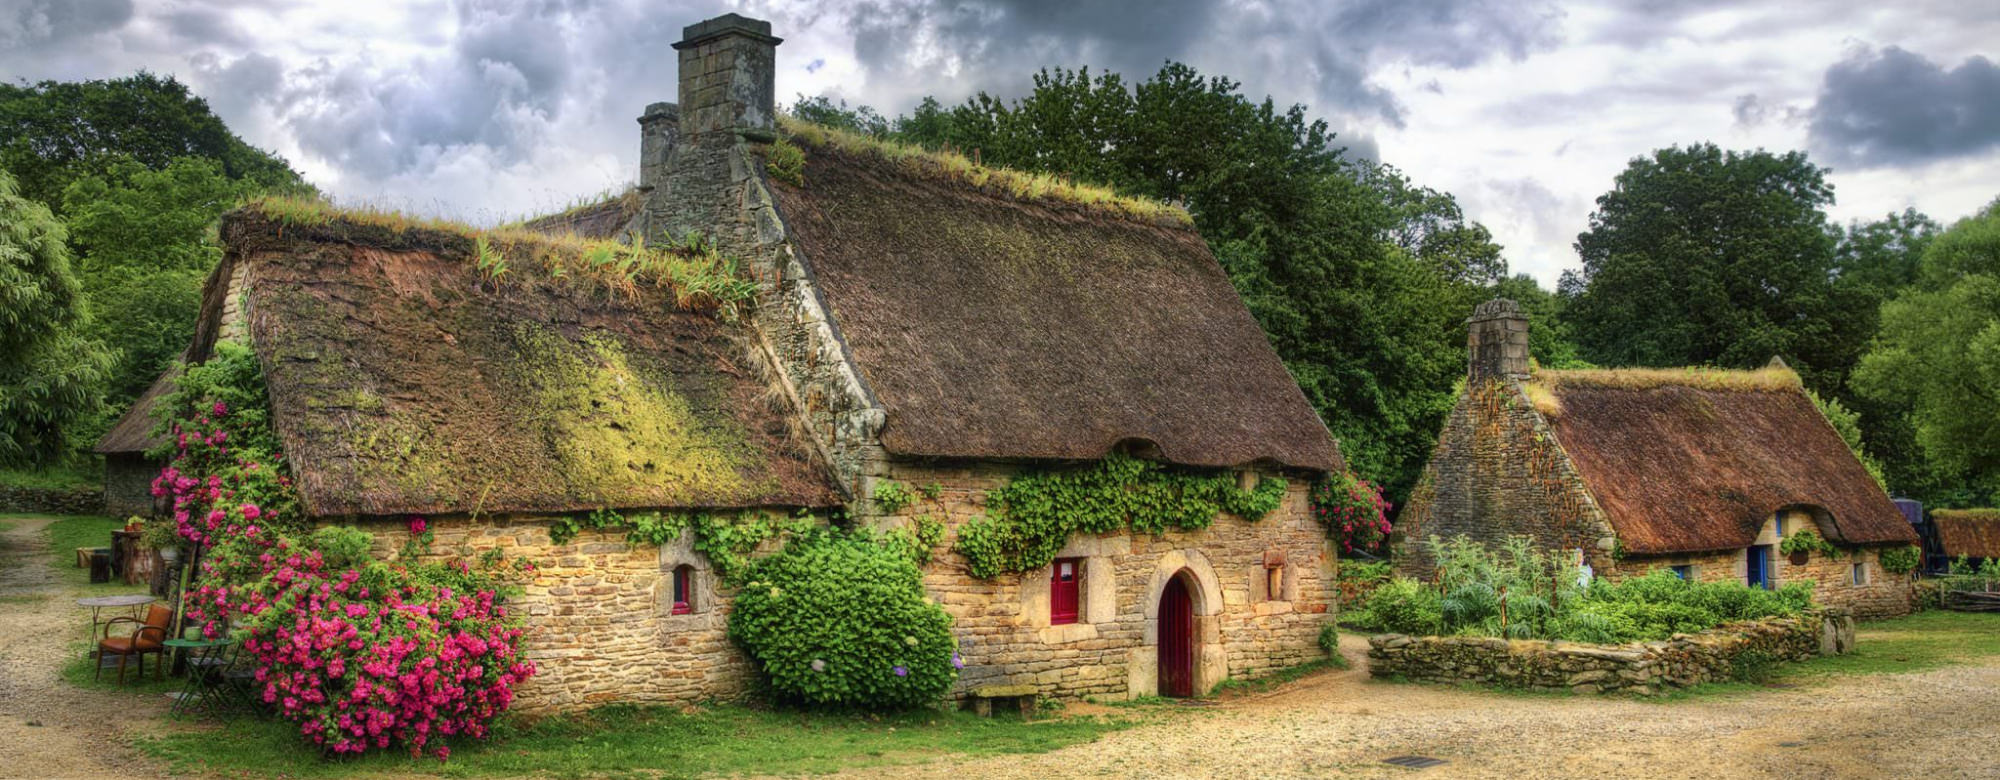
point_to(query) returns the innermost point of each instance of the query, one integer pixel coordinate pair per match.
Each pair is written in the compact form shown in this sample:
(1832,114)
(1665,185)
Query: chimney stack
(1497,339)
(728,71)
(659,131)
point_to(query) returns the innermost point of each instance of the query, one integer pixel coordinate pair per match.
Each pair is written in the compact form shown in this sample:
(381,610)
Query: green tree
(1939,351)
(54,132)
(145,242)
(1874,262)
(1700,256)
(50,377)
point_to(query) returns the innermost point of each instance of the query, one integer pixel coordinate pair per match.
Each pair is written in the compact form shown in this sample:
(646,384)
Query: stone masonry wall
(1642,668)
(1880,595)
(1003,623)
(1497,471)
(598,615)
(80,501)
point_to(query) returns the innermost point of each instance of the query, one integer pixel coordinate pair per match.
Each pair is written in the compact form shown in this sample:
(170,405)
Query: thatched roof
(406,380)
(1693,461)
(1968,532)
(992,324)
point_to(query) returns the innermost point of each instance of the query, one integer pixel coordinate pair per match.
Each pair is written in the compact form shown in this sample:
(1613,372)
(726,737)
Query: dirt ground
(47,728)
(1937,724)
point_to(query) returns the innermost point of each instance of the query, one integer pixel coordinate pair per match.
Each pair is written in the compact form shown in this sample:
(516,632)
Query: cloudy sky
(489,109)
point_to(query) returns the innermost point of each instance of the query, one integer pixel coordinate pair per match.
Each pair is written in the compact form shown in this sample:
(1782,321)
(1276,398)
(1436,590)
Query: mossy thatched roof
(996,324)
(1696,460)
(1968,532)
(407,379)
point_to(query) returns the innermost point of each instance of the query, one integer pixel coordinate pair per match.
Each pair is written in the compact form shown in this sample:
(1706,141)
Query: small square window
(1274,583)
(683,589)
(1684,571)
(1065,579)
(1860,574)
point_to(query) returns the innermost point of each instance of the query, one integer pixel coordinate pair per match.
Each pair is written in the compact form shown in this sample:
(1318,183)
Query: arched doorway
(1177,638)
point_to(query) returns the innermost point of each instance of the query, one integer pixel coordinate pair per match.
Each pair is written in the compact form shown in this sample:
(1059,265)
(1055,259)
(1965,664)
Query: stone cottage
(1700,471)
(926,331)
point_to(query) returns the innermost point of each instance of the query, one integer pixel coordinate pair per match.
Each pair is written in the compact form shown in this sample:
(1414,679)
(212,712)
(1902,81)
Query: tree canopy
(1938,353)
(1700,256)
(50,375)
(54,132)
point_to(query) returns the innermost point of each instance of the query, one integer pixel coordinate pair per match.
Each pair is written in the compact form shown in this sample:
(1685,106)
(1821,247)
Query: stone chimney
(1498,341)
(728,71)
(659,130)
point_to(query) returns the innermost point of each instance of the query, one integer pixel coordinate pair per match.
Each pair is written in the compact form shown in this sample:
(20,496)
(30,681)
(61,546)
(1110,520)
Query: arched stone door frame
(1205,592)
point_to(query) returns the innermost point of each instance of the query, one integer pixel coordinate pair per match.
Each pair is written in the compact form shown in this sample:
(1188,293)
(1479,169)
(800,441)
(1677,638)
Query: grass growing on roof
(627,197)
(626,741)
(1544,387)
(698,277)
(1031,187)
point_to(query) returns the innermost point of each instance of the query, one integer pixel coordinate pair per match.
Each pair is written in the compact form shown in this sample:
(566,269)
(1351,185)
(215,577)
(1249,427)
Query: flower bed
(1724,653)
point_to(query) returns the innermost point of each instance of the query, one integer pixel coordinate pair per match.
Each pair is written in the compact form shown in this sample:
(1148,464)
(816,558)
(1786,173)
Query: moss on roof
(955,168)
(1545,385)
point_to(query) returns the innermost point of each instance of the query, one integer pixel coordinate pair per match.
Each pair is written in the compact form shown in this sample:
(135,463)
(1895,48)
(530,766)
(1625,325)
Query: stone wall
(599,616)
(1881,594)
(1497,472)
(128,484)
(1642,668)
(1243,630)
(75,501)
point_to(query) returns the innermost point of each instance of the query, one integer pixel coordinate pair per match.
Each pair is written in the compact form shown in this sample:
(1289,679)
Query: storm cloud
(1896,107)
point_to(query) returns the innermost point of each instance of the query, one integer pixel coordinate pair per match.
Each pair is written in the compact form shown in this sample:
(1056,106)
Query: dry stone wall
(1642,668)
(79,501)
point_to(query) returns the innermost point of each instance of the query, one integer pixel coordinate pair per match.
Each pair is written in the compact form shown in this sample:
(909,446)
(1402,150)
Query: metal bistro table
(97,604)
(206,689)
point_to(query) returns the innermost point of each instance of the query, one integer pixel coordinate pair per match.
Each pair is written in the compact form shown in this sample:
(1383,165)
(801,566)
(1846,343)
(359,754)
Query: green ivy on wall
(1900,560)
(726,541)
(1807,540)
(1035,514)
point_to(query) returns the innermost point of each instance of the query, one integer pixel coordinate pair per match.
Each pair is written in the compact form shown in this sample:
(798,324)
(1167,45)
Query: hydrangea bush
(361,653)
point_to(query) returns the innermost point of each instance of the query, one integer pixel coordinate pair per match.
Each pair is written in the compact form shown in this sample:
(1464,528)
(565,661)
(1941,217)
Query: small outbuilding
(1701,471)
(1971,534)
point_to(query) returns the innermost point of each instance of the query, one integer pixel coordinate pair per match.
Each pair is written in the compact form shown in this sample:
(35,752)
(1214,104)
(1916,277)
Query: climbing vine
(726,541)
(1807,540)
(1033,516)
(1899,560)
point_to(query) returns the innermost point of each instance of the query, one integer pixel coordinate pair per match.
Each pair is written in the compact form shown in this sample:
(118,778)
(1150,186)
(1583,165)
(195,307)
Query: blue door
(1757,566)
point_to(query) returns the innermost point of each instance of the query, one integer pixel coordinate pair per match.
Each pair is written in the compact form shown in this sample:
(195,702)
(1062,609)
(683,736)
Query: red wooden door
(1176,640)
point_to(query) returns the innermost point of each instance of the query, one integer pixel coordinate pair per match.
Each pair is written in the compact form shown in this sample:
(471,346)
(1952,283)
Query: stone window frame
(703,598)
(1274,561)
(1097,596)
(1859,576)
(1688,572)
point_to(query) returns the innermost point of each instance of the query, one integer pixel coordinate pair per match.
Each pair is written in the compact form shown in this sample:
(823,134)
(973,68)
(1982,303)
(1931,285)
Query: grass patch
(1237,686)
(644,742)
(70,532)
(50,479)
(1545,386)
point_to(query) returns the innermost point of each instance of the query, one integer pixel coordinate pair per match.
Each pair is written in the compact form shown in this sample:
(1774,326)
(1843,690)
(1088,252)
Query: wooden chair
(147,637)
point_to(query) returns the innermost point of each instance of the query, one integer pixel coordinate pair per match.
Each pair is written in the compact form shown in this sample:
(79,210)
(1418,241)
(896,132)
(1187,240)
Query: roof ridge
(952,167)
(1769,379)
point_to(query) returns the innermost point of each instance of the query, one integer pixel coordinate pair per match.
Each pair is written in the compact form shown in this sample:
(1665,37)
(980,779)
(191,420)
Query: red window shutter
(1063,579)
(683,590)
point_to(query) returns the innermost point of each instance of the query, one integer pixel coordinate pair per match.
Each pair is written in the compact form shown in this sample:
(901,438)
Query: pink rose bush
(1352,511)
(361,653)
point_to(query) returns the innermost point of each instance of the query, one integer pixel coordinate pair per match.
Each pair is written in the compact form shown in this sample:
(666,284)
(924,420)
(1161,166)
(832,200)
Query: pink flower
(251,512)
(417,526)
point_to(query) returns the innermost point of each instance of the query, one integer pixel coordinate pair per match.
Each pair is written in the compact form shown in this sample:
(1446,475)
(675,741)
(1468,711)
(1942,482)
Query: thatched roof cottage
(1703,471)
(924,331)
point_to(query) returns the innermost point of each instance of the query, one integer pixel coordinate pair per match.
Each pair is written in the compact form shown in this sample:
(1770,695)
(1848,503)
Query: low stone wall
(1642,668)
(78,501)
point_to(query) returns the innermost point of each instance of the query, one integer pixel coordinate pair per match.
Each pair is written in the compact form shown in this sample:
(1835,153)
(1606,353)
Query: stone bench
(982,698)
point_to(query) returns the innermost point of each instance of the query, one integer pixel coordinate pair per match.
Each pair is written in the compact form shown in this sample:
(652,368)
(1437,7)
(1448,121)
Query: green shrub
(840,620)
(1900,560)
(1807,540)
(1404,606)
(786,162)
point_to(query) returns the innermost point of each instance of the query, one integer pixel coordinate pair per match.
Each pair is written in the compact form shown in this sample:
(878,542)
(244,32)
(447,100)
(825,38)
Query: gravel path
(1938,724)
(47,728)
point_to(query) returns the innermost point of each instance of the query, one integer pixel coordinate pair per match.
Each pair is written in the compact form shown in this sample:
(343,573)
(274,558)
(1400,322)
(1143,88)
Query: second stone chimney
(659,131)
(1497,340)
(728,78)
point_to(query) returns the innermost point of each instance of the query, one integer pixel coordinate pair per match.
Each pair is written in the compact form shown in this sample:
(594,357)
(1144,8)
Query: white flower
(818,665)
